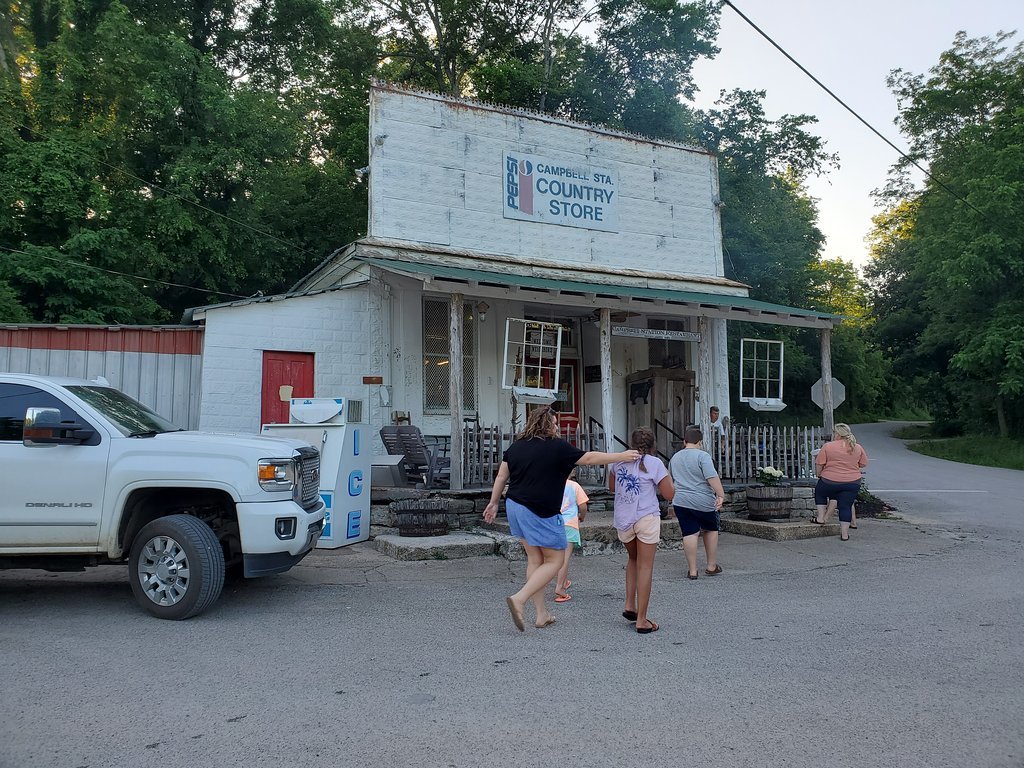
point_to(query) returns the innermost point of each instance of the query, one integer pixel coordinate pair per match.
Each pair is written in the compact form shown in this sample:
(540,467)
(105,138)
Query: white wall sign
(654,333)
(538,188)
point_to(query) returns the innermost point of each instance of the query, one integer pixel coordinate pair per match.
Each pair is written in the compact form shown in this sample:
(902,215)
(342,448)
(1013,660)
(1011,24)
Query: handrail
(676,435)
(660,423)
(591,421)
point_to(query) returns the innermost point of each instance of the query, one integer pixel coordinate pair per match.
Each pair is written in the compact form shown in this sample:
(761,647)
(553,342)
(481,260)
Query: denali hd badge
(61,504)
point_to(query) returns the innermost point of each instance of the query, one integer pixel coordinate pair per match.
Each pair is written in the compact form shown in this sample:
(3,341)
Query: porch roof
(660,300)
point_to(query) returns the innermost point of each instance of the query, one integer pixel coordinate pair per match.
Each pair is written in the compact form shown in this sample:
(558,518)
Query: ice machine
(333,425)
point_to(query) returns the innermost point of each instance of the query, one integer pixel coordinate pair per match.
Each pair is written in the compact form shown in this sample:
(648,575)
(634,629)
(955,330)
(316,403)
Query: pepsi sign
(559,192)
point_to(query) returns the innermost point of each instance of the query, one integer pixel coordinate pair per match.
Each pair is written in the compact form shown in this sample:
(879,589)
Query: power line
(853,112)
(74,263)
(150,185)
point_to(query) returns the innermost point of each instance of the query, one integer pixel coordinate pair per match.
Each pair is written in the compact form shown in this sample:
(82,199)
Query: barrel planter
(769,502)
(420,517)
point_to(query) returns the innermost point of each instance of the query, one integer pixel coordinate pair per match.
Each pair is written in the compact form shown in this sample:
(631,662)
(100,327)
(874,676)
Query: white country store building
(478,215)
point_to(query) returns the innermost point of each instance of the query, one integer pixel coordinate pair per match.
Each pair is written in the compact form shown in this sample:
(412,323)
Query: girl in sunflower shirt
(637,519)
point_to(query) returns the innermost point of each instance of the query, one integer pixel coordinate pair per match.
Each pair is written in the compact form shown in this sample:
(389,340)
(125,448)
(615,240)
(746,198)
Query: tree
(196,144)
(959,256)
(632,73)
(769,224)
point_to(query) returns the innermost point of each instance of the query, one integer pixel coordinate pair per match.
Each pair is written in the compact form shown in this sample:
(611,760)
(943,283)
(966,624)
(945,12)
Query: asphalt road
(926,488)
(898,648)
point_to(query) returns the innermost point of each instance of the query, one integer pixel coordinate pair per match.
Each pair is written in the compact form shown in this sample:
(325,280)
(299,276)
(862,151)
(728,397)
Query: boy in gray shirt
(698,497)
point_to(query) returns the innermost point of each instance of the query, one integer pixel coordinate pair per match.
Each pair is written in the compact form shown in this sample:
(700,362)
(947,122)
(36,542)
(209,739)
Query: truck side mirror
(44,427)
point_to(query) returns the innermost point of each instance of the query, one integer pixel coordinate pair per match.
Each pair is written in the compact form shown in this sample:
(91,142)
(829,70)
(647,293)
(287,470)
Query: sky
(851,47)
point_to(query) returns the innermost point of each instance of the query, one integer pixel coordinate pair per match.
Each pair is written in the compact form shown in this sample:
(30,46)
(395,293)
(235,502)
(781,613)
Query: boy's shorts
(693,521)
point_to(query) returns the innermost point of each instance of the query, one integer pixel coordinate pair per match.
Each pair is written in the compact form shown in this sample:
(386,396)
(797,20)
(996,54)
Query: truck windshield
(129,416)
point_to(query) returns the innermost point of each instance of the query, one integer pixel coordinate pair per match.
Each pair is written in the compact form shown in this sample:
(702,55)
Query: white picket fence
(737,453)
(740,450)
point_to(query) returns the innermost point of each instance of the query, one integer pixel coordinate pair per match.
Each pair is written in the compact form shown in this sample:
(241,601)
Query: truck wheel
(176,567)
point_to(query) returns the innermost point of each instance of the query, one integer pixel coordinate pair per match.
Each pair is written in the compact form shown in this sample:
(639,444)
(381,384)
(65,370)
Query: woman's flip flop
(563,598)
(647,630)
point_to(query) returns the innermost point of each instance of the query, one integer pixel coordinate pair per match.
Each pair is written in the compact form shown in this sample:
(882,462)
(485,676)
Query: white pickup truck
(96,477)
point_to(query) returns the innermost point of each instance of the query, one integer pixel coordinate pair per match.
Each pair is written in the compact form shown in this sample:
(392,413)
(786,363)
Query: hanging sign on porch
(548,189)
(654,333)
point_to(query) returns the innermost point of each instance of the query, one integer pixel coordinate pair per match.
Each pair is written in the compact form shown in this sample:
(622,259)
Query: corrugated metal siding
(158,366)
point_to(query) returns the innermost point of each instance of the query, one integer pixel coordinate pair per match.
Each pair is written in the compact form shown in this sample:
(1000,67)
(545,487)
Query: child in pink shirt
(574,510)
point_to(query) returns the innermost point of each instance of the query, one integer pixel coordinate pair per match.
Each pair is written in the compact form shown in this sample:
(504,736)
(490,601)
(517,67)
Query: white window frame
(526,340)
(755,353)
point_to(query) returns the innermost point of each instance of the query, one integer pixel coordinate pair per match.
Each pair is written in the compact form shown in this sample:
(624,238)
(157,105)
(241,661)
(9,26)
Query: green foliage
(914,432)
(769,225)
(986,451)
(949,257)
(248,120)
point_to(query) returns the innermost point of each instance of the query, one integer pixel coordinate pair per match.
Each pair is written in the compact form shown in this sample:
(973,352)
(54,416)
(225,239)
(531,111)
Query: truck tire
(176,567)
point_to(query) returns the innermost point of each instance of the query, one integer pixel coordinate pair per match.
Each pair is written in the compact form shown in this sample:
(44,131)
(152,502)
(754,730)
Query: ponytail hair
(642,439)
(843,432)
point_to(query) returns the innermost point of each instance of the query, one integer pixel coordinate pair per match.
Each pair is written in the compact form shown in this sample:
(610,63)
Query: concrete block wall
(337,327)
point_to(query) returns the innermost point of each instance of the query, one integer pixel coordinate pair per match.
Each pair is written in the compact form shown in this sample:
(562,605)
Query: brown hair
(693,435)
(642,439)
(540,424)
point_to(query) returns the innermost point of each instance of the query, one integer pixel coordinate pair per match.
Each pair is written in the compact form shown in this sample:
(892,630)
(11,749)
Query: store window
(436,348)
(666,353)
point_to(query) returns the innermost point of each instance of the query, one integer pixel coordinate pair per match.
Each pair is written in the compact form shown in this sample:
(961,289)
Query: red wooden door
(284,369)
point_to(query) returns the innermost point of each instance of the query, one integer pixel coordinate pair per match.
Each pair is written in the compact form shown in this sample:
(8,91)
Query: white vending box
(344,445)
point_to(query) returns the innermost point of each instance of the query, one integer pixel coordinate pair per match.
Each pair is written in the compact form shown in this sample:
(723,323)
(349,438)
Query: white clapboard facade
(480,214)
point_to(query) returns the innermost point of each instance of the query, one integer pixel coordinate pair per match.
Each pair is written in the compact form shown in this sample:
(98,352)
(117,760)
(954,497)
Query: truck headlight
(277,474)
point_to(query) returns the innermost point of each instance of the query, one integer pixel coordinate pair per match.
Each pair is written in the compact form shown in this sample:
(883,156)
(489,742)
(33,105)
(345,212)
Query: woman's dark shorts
(844,494)
(693,521)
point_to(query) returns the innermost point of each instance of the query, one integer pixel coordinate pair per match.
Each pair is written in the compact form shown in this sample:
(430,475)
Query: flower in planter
(769,475)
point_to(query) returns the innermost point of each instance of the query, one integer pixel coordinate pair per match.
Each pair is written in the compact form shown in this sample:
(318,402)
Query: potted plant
(770,498)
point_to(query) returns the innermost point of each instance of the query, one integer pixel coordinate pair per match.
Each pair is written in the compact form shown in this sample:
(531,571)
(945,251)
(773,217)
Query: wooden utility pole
(705,382)
(455,383)
(606,378)
(827,409)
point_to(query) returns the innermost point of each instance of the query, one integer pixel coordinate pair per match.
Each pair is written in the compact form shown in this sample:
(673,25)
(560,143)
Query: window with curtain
(436,347)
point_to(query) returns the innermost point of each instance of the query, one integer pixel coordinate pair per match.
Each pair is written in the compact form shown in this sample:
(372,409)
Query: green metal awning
(625,294)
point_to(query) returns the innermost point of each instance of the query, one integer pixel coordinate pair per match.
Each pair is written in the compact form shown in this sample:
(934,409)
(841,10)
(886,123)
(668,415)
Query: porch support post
(455,380)
(606,379)
(828,417)
(705,380)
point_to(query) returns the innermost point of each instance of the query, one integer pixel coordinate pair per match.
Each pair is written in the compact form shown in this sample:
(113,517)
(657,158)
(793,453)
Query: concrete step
(598,534)
(452,546)
(778,530)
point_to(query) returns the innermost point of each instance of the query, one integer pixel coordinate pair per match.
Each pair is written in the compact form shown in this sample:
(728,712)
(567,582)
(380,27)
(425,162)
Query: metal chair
(392,442)
(421,461)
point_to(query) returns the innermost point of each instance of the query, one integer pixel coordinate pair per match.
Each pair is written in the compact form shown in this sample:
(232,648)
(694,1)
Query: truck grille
(307,490)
